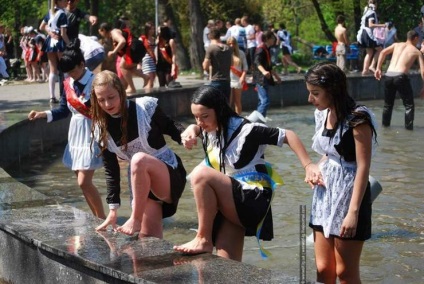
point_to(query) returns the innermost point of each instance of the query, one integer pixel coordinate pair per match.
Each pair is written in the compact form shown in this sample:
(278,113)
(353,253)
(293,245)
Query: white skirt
(331,203)
(78,154)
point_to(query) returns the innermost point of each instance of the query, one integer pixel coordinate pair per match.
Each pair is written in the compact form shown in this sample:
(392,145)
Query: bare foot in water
(130,227)
(195,246)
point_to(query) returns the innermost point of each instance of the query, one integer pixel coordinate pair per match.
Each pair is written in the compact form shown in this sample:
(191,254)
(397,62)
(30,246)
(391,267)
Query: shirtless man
(404,54)
(340,33)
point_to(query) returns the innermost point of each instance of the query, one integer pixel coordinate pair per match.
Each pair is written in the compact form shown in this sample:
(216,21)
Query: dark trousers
(402,85)
(223,85)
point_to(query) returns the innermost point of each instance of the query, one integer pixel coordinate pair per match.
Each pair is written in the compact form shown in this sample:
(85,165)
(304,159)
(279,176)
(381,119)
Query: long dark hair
(332,79)
(213,98)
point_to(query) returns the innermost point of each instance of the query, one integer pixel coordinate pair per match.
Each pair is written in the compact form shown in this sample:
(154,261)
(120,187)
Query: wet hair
(71,57)
(99,117)
(213,98)
(332,79)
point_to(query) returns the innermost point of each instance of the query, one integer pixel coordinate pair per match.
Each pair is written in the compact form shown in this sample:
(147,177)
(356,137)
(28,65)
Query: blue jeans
(224,86)
(263,99)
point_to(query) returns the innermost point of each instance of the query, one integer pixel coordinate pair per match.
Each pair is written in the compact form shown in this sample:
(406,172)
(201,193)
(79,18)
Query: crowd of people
(233,186)
(150,55)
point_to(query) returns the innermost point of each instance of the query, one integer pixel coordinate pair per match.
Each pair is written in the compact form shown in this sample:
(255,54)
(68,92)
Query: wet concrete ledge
(44,242)
(57,244)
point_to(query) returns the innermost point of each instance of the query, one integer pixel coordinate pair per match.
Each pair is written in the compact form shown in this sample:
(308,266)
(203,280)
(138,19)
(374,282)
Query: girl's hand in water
(110,220)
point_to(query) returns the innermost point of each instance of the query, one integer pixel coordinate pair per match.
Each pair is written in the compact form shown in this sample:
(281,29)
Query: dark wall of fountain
(28,137)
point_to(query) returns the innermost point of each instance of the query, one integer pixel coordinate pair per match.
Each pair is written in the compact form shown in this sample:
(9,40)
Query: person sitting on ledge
(134,131)
(233,189)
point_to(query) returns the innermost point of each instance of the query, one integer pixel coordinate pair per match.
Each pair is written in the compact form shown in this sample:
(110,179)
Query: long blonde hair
(99,116)
(236,51)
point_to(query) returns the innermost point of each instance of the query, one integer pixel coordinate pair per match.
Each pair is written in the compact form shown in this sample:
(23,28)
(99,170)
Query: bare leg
(35,71)
(348,254)
(212,191)
(147,173)
(230,241)
(324,258)
(28,70)
(127,75)
(375,59)
(367,60)
(151,225)
(287,58)
(150,80)
(285,65)
(53,61)
(139,73)
(91,194)
(237,100)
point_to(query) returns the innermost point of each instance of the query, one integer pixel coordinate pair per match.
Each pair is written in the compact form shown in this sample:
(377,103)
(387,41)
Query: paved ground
(20,91)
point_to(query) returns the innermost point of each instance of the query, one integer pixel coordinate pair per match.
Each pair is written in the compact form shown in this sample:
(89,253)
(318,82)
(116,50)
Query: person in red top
(130,49)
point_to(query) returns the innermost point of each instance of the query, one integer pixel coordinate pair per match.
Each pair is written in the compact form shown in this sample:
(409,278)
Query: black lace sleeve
(346,147)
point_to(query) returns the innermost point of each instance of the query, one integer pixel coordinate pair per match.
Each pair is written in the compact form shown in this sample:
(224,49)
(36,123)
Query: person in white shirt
(206,30)
(238,32)
(251,41)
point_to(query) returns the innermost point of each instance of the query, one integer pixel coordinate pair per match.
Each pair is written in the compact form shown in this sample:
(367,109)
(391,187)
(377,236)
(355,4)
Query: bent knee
(199,174)
(139,160)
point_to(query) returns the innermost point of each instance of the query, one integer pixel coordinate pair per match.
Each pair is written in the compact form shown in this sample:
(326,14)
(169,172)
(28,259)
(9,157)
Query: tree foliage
(312,24)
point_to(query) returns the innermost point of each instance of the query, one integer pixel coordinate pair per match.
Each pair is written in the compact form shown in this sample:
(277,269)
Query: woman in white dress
(78,155)
(366,38)
(345,136)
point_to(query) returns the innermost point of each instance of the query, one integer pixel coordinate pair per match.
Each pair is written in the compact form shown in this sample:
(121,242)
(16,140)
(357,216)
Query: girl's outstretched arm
(313,174)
